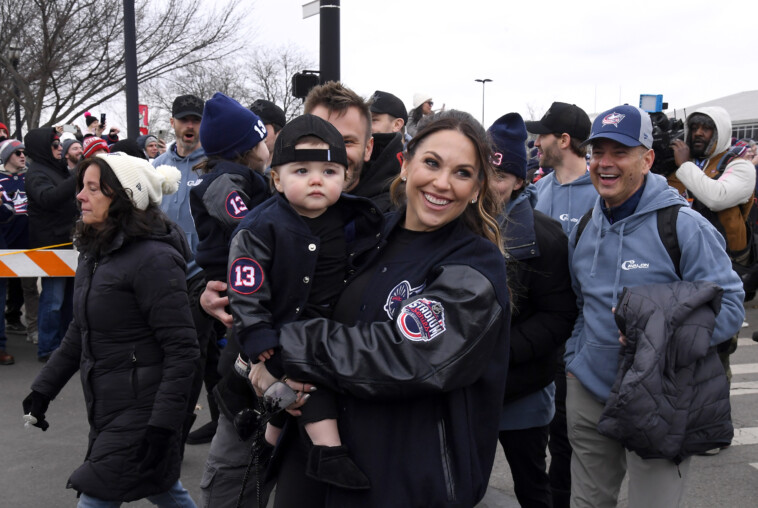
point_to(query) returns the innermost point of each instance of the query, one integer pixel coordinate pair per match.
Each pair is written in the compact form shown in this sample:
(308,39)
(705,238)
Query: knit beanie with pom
(144,183)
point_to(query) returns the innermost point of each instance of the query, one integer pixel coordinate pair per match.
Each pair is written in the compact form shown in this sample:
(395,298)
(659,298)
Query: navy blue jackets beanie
(229,129)
(509,135)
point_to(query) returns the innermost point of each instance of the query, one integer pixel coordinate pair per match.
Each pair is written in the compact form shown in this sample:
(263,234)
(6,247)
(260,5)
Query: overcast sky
(596,54)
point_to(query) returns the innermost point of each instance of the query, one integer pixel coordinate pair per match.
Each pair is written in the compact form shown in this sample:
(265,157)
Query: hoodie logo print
(613,119)
(633,265)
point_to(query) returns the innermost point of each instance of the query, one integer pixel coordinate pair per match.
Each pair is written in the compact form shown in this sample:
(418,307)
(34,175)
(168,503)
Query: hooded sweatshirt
(629,252)
(566,202)
(725,193)
(51,192)
(177,205)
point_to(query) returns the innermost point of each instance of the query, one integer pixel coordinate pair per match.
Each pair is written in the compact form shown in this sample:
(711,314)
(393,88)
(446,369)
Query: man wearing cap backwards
(566,193)
(621,247)
(544,309)
(186,115)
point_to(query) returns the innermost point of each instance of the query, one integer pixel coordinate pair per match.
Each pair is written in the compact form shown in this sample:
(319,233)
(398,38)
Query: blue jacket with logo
(630,253)
(219,202)
(565,203)
(177,205)
(421,374)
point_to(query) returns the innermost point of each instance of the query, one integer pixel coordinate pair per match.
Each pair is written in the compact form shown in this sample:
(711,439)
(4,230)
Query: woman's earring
(403,179)
(473,201)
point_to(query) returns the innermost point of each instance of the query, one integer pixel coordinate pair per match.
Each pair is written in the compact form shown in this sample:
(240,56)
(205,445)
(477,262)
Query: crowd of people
(364,283)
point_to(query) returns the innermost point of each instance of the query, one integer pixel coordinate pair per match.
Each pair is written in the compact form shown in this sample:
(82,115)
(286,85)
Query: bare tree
(73,55)
(267,75)
(271,72)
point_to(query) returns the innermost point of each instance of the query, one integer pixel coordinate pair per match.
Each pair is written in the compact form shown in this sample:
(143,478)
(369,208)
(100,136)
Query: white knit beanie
(420,98)
(145,183)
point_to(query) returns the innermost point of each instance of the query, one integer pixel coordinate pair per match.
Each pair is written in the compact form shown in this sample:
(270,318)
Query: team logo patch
(235,207)
(613,119)
(422,320)
(398,295)
(245,276)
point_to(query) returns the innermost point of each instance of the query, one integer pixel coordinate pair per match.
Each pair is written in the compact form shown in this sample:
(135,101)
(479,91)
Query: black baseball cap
(186,105)
(309,125)
(385,102)
(560,118)
(269,112)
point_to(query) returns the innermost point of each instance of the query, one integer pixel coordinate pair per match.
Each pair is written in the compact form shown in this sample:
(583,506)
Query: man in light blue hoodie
(621,246)
(184,154)
(567,192)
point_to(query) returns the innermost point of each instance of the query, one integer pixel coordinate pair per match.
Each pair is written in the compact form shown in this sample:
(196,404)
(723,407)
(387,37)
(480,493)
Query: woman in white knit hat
(132,336)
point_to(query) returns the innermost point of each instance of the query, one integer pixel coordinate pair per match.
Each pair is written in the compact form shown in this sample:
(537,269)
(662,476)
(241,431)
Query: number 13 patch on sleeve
(235,207)
(245,276)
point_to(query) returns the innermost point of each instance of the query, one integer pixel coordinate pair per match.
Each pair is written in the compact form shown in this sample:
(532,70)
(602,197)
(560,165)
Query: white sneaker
(33,337)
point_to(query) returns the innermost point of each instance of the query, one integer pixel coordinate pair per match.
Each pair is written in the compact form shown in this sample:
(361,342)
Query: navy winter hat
(7,148)
(228,128)
(628,125)
(509,135)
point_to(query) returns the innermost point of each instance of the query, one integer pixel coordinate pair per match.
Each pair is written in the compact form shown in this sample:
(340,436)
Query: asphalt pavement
(36,464)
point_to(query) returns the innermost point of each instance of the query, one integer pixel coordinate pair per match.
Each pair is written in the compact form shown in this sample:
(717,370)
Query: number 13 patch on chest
(245,276)
(422,320)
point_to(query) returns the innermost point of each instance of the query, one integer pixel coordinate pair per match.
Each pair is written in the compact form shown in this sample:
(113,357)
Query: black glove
(154,447)
(35,404)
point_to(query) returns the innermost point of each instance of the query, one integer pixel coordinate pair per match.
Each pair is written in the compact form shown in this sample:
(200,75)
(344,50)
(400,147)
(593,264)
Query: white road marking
(746,436)
(755,465)
(744,368)
(744,388)
(746,342)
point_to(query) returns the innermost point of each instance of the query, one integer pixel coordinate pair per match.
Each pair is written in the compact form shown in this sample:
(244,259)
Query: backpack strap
(667,231)
(582,224)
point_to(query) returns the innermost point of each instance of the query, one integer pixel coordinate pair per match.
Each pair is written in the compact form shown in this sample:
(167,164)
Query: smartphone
(69,128)
(102,119)
(162,133)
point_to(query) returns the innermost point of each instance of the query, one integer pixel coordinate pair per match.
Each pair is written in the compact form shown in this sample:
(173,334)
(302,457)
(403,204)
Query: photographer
(720,186)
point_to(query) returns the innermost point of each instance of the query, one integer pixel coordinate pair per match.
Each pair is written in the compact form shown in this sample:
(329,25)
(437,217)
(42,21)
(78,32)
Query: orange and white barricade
(38,262)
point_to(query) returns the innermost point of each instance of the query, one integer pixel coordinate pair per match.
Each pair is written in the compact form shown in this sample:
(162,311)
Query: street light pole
(15,54)
(483,82)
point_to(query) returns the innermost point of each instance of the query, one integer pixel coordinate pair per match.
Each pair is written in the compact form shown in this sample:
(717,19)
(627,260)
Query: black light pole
(130,64)
(483,82)
(15,54)
(329,55)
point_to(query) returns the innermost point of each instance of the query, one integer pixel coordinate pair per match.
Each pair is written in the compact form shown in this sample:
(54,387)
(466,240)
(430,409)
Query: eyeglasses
(19,153)
(430,103)
(56,144)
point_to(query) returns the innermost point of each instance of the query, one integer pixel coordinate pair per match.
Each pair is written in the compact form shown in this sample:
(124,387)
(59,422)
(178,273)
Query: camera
(665,131)
(102,119)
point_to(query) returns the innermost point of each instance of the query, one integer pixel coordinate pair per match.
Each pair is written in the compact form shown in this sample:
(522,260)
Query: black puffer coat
(134,343)
(671,396)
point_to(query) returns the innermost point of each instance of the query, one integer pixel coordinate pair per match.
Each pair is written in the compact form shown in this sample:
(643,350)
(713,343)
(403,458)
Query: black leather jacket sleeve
(376,360)
(253,321)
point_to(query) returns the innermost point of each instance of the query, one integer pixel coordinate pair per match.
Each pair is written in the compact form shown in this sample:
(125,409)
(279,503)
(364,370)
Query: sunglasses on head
(56,144)
(19,153)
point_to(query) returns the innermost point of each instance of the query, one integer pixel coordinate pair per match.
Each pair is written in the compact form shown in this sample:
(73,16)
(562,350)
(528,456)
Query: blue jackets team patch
(398,295)
(245,276)
(422,320)
(235,207)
